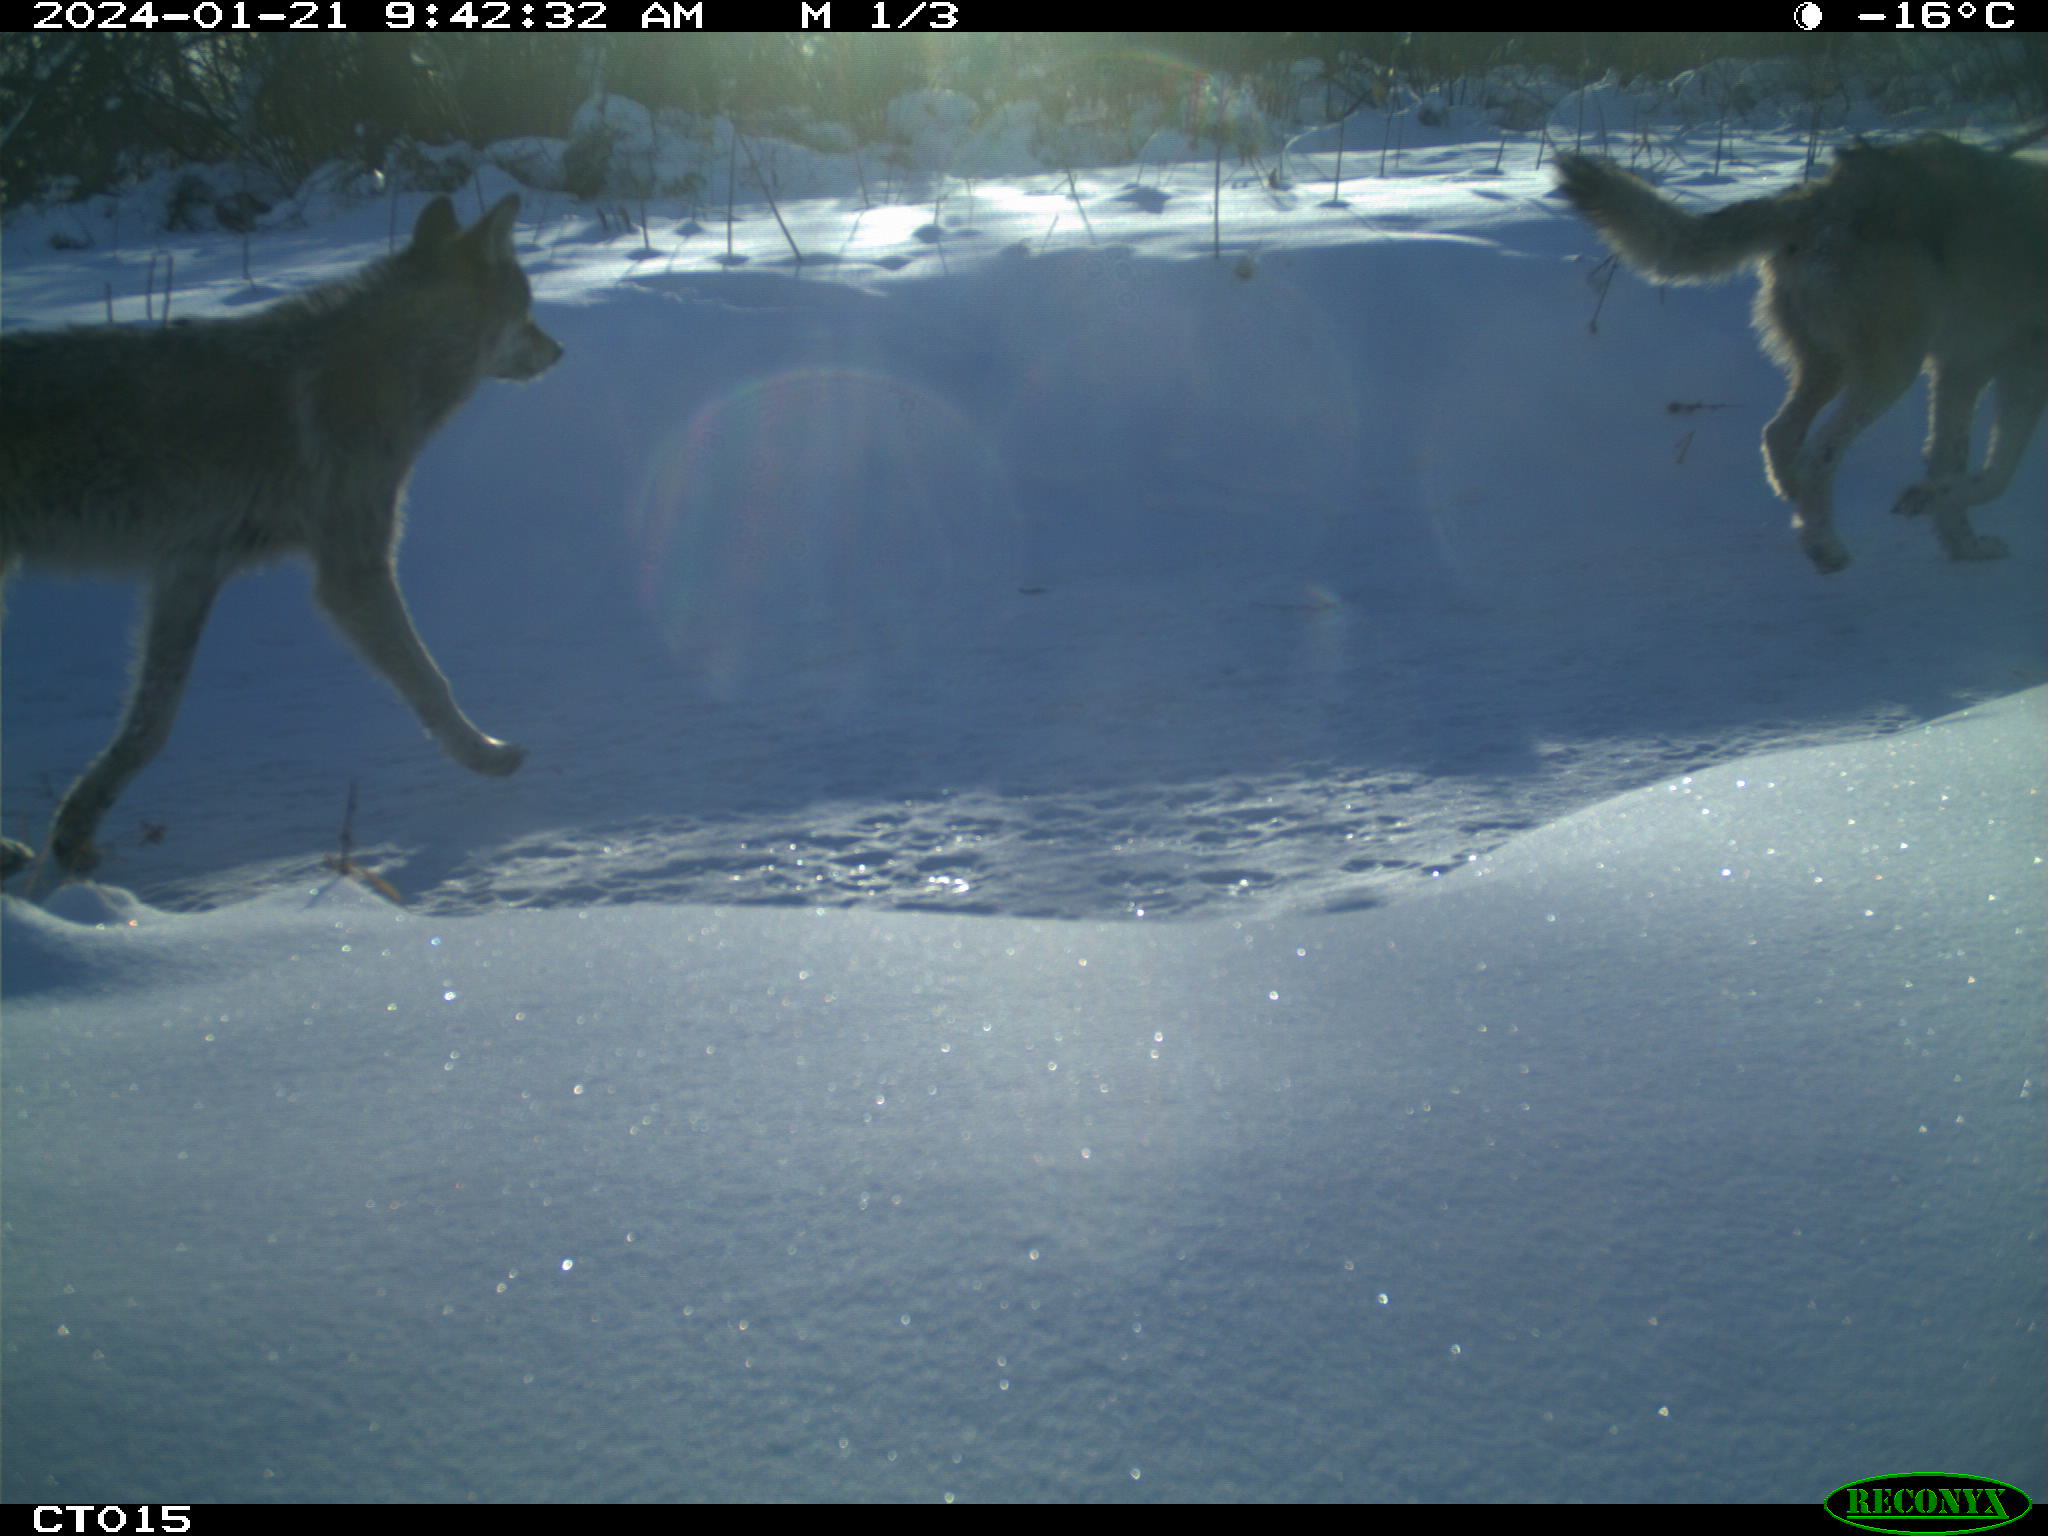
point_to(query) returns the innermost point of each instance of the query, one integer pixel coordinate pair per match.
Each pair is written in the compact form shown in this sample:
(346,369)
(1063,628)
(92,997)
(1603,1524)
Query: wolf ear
(437,224)
(494,229)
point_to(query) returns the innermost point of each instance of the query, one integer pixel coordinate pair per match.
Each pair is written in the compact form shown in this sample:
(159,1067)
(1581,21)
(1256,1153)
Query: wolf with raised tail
(188,452)
(1931,254)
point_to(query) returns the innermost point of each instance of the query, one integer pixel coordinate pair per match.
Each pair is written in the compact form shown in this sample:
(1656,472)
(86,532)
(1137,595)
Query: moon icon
(1806,17)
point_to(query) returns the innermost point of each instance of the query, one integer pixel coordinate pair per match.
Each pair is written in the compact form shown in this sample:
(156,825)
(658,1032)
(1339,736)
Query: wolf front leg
(363,599)
(179,600)
(1951,489)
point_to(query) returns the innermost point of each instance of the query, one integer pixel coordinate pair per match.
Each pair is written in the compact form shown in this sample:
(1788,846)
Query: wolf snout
(531,353)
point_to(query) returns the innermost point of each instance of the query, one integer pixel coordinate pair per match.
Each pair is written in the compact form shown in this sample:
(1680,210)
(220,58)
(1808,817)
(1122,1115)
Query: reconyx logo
(1927,1502)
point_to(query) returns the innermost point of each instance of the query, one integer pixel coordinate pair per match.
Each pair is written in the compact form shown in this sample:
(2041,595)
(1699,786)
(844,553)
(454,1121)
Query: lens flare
(823,512)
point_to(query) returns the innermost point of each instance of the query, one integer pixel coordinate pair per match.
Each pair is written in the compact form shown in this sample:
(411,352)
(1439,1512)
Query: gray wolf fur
(186,453)
(1930,254)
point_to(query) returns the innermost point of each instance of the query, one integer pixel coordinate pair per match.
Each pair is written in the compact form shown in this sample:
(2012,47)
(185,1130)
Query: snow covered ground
(1686,1149)
(1603,1060)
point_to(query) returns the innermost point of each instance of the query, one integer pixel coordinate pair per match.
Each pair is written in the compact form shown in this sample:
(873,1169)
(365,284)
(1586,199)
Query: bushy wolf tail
(1660,239)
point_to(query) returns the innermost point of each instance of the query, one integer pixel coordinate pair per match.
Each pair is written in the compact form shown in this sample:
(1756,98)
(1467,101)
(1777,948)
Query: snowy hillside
(1177,850)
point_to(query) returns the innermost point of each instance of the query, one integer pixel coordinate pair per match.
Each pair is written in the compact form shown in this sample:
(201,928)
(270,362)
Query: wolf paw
(1828,554)
(499,759)
(1977,546)
(1914,501)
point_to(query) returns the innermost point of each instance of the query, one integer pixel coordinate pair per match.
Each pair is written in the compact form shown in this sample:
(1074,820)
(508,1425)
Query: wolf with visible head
(1930,254)
(186,453)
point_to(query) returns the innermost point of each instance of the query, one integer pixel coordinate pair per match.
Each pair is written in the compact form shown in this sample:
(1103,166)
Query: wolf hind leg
(1948,492)
(1952,394)
(1870,394)
(14,856)
(179,601)
(1816,380)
